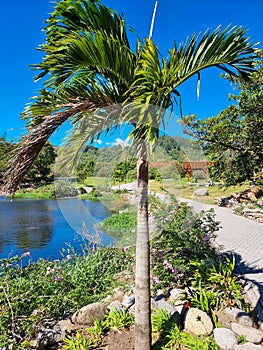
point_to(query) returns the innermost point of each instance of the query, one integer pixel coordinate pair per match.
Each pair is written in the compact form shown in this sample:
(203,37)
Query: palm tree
(95,80)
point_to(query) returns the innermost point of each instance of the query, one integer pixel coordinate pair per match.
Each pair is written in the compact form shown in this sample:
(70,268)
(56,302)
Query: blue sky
(22,22)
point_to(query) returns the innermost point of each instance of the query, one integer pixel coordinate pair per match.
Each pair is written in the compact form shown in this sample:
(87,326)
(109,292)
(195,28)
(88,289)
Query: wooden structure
(202,165)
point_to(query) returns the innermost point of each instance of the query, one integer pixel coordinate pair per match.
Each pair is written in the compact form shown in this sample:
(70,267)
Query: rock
(225,338)
(176,294)
(252,335)
(115,304)
(163,304)
(250,194)
(160,294)
(87,314)
(132,310)
(237,315)
(248,346)
(201,192)
(198,322)
(49,337)
(128,301)
(118,294)
(65,326)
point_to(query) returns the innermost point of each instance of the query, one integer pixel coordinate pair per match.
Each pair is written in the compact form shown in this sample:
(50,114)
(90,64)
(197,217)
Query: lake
(44,227)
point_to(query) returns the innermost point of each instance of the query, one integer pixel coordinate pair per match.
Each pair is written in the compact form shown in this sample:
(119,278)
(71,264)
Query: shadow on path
(252,281)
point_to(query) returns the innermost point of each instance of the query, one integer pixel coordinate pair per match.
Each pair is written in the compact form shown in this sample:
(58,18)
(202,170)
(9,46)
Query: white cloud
(120,142)
(99,142)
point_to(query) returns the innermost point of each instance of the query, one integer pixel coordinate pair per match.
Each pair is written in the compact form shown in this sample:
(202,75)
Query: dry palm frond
(31,144)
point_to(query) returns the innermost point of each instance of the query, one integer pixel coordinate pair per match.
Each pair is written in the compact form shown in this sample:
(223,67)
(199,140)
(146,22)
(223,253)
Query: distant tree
(170,146)
(122,169)
(233,139)
(87,162)
(5,148)
(42,167)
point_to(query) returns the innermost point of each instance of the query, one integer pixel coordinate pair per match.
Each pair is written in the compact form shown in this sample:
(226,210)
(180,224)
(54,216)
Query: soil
(118,340)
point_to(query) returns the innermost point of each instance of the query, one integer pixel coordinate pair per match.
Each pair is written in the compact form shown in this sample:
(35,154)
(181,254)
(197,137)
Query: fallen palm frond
(31,144)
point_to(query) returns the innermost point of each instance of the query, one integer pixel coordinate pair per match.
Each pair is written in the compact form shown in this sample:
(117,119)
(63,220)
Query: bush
(65,189)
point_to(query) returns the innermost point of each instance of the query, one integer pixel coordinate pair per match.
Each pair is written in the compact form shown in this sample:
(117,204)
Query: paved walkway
(244,239)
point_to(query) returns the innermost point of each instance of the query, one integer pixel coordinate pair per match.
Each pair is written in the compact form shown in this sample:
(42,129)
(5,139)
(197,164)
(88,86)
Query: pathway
(242,238)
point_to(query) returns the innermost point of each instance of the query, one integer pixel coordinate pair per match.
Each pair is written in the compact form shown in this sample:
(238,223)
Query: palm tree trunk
(142,279)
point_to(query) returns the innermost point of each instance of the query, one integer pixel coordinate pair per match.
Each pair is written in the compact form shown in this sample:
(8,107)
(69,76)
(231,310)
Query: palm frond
(32,143)
(229,50)
(86,25)
(86,129)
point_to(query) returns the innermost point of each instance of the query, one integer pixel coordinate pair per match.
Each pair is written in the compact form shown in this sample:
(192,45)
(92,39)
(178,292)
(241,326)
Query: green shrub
(65,189)
(120,223)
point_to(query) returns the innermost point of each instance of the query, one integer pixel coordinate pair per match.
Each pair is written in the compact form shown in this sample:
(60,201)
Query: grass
(182,190)
(41,192)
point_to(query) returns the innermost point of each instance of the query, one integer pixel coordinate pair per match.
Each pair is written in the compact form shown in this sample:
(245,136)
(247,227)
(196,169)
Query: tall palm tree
(95,80)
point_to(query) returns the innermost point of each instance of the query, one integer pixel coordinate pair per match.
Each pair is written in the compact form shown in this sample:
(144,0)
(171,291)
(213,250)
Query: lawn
(180,189)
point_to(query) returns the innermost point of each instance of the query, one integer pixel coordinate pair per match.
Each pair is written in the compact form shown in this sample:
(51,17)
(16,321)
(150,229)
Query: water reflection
(43,227)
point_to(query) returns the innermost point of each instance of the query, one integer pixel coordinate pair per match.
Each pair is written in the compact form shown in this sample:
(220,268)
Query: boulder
(115,304)
(128,301)
(201,192)
(225,338)
(49,337)
(252,335)
(163,304)
(198,322)
(87,314)
(177,294)
(64,327)
(234,314)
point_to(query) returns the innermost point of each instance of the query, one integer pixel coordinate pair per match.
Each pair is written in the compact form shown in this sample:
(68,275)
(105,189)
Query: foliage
(5,149)
(186,237)
(41,169)
(40,192)
(86,169)
(79,342)
(118,319)
(122,169)
(162,321)
(182,255)
(233,139)
(89,65)
(171,148)
(121,224)
(44,289)
(65,189)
